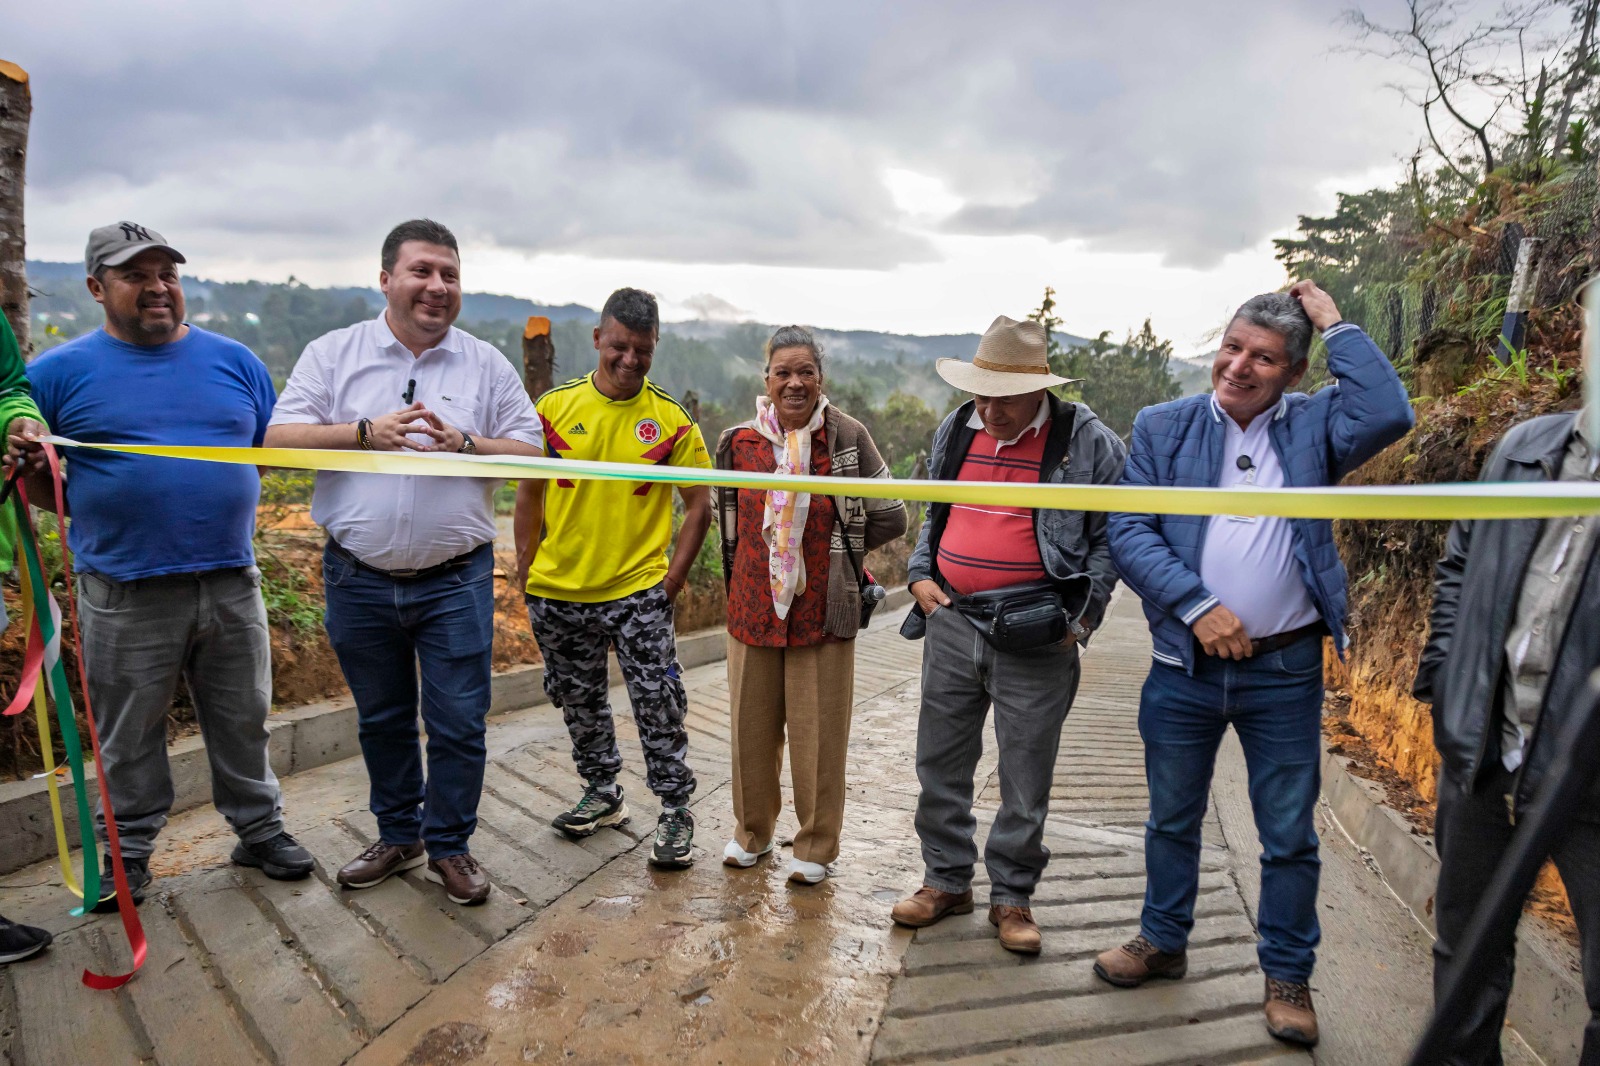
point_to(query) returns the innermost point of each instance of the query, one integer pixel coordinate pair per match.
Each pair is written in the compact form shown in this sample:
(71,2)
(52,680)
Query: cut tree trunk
(538,357)
(16,107)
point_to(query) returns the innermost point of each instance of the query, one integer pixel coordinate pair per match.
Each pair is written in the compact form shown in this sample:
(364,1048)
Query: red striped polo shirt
(988,547)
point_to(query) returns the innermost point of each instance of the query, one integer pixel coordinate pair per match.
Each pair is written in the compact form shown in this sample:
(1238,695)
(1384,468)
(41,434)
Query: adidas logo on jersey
(577,429)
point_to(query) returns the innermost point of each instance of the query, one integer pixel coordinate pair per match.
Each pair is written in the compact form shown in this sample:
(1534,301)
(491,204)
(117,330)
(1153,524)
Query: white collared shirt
(394,521)
(976,421)
(1247,562)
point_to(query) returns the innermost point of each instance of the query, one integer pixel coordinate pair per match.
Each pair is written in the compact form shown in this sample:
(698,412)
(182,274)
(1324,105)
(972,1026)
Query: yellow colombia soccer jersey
(609,539)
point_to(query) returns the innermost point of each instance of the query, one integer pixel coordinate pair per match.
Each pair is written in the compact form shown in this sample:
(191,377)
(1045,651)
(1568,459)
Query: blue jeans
(1274,703)
(382,629)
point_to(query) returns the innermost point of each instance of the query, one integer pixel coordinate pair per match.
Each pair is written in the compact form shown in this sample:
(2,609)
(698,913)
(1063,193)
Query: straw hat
(1013,358)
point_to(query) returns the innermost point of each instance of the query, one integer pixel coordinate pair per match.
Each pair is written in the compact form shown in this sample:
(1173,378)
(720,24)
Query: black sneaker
(674,846)
(595,811)
(280,858)
(138,871)
(18,942)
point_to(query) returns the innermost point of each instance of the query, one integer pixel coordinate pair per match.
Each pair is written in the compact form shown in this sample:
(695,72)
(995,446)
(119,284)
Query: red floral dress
(751,618)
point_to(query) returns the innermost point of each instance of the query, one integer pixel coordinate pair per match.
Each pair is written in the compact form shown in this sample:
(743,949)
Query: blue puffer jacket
(1318,439)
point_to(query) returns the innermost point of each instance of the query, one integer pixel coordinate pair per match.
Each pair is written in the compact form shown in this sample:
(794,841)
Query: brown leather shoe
(1138,961)
(1018,931)
(379,863)
(463,879)
(927,905)
(1290,1015)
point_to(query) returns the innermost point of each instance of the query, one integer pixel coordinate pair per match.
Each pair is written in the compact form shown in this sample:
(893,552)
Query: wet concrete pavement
(585,954)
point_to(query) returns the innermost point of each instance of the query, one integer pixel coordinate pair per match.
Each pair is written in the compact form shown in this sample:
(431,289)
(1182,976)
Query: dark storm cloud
(752,133)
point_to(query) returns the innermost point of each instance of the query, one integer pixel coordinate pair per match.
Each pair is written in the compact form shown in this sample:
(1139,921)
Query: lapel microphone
(410,393)
(1243,462)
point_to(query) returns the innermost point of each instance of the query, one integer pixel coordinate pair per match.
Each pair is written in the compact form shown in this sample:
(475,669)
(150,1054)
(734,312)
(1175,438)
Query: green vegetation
(1116,380)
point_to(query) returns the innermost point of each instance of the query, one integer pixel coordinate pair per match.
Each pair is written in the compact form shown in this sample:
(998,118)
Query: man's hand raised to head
(1222,634)
(1318,305)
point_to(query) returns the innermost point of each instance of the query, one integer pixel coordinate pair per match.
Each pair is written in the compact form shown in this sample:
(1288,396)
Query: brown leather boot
(463,879)
(927,905)
(1290,1015)
(1018,931)
(379,863)
(1138,961)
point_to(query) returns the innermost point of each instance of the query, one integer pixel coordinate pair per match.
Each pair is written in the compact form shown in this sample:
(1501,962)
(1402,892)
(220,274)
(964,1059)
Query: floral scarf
(783,521)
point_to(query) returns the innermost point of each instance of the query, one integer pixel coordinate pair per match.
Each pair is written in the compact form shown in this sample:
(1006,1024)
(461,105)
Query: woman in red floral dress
(794,605)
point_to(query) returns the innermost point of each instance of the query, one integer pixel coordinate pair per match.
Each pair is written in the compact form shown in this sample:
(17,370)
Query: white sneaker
(734,855)
(806,873)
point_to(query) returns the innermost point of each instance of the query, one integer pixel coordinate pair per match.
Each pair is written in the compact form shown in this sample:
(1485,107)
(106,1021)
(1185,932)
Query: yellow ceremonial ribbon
(1469,500)
(46,747)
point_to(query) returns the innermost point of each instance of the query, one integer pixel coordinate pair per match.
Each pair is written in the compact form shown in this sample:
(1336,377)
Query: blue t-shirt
(137,516)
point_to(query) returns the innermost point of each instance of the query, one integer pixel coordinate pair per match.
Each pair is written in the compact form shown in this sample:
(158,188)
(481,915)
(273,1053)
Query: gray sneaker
(596,810)
(674,844)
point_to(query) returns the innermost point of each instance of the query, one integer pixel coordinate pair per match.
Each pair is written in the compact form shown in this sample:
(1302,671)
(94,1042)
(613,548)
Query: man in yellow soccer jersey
(599,576)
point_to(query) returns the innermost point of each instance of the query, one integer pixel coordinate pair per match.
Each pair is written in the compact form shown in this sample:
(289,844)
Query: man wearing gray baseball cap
(167,581)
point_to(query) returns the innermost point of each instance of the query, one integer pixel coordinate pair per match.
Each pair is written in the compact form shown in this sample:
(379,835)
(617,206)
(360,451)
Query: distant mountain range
(59,290)
(716,358)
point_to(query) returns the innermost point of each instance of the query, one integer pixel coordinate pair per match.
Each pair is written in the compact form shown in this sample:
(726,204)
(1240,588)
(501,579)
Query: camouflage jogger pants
(573,638)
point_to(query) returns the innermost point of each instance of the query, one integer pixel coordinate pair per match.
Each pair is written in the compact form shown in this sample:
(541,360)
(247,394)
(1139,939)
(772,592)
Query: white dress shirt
(1247,561)
(394,521)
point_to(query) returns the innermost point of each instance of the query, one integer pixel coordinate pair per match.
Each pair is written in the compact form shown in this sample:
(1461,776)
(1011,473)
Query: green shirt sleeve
(16,399)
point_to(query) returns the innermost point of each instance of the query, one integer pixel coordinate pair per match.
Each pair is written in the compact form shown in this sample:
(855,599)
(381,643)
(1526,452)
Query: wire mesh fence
(1459,291)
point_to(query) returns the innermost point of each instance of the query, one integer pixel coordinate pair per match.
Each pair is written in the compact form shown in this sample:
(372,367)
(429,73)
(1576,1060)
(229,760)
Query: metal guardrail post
(1519,301)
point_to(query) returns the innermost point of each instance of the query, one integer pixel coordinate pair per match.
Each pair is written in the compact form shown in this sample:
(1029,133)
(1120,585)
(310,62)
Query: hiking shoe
(1290,1015)
(1018,931)
(734,855)
(463,879)
(280,858)
(138,871)
(379,863)
(18,942)
(928,904)
(1138,961)
(596,810)
(674,845)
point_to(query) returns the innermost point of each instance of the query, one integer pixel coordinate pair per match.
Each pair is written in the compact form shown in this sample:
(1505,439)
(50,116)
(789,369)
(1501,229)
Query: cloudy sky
(919,167)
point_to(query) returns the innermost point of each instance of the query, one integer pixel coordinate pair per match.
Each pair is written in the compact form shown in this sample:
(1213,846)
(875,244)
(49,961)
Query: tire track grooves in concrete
(961,996)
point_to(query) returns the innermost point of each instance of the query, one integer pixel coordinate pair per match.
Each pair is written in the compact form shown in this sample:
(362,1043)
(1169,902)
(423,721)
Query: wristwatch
(1078,630)
(468,445)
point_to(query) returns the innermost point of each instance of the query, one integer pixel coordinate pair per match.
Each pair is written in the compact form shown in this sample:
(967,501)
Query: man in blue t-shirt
(167,582)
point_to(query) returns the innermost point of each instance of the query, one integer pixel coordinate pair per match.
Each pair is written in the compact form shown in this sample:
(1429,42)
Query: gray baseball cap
(114,245)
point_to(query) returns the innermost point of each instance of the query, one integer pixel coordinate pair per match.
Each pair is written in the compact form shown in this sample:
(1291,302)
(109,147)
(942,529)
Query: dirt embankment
(1372,718)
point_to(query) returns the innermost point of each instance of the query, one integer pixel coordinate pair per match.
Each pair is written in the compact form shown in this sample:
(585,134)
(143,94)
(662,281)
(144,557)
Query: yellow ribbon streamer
(1469,500)
(47,753)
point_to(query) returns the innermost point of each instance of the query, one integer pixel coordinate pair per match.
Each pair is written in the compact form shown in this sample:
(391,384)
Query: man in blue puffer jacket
(1238,606)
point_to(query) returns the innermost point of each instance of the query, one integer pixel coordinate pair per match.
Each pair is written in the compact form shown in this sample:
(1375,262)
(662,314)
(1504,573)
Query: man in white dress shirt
(409,567)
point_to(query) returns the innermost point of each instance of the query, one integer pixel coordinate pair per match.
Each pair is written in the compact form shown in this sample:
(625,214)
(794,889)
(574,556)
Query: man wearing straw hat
(1238,606)
(1004,595)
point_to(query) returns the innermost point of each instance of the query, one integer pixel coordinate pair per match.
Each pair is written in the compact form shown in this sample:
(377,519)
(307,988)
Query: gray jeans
(138,638)
(962,676)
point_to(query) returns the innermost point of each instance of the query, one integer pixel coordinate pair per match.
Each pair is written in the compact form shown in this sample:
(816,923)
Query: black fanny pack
(1025,617)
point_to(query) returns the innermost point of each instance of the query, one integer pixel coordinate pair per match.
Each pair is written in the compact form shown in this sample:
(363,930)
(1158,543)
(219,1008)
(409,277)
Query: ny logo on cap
(130,232)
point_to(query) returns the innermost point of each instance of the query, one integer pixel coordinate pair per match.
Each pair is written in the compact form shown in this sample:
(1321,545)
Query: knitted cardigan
(867,522)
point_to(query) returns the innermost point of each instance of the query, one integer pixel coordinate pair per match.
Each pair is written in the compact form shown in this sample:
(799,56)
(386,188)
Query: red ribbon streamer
(32,666)
(130,914)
